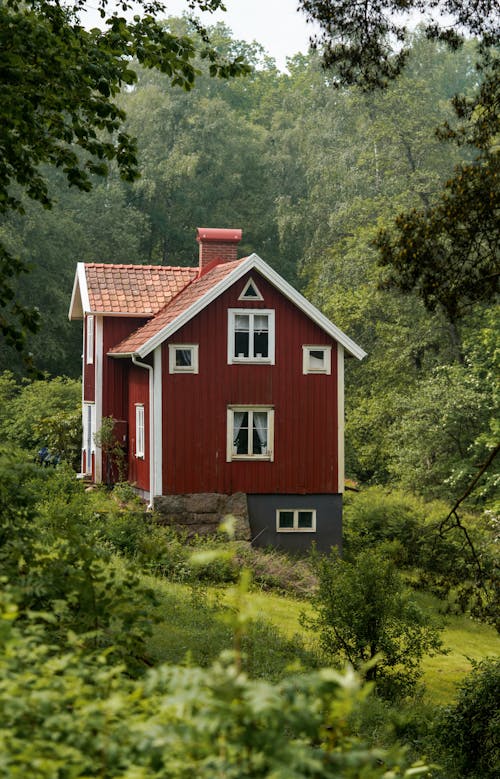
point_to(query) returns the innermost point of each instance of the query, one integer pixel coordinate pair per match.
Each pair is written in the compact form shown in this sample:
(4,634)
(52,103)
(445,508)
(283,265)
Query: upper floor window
(317,359)
(250,335)
(183,358)
(90,338)
(250,433)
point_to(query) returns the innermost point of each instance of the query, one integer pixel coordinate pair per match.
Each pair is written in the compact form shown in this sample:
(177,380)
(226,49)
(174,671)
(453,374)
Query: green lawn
(195,627)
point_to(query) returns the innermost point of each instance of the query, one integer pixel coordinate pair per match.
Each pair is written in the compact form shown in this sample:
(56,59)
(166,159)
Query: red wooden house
(223,379)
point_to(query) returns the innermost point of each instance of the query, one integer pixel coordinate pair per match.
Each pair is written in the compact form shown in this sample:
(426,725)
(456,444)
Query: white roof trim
(250,263)
(80,290)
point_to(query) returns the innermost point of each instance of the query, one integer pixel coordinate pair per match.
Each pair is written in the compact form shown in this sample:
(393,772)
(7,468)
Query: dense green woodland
(116,657)
(311,173)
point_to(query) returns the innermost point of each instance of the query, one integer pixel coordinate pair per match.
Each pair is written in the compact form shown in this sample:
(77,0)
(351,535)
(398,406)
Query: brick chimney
(217,245)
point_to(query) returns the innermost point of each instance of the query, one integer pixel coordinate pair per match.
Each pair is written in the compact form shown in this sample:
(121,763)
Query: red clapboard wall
(194,406)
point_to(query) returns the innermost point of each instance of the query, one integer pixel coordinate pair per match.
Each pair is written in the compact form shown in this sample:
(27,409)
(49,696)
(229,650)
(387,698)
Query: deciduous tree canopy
(59,83)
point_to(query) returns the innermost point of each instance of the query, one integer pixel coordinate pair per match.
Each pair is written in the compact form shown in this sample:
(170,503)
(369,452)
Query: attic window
(317,359)
(250,291)
(183,358)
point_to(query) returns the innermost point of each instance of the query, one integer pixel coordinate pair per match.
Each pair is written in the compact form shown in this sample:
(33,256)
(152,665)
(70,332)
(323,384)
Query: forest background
(311,172)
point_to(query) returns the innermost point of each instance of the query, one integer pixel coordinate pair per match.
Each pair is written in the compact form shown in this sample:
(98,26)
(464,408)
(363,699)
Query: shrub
(51,555)
(367,617)
(77,715)
(469,731)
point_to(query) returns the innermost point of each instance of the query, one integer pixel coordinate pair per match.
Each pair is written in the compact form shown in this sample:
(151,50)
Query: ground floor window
(139,430)
(296,520)
(88,434)
(250,433)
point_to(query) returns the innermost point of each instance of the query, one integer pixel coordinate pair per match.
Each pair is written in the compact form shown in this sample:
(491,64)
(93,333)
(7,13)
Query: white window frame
(89,341)
(245,296)
(306,359)
(233,359)
(173,367)
(88,434)
(140,431)
(296,528)
(269,454)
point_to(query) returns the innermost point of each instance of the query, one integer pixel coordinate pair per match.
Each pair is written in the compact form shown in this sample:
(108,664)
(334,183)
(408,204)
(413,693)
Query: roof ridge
(138,265)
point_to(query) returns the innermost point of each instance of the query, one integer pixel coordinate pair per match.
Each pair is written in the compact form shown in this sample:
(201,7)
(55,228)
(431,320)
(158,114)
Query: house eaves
(253,262)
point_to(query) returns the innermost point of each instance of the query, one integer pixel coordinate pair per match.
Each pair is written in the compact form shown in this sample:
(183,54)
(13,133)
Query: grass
(197,624)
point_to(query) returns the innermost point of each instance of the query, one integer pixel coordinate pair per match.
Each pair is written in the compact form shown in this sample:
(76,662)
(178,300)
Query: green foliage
(75,714)
(52,557)
(365,615)
(439,557)
(469,729)
(59,104)
(40,413)
(115,456)
(358,41)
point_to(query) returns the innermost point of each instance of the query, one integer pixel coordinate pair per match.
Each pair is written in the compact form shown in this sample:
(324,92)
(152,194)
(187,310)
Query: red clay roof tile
(174,308)
(134,289)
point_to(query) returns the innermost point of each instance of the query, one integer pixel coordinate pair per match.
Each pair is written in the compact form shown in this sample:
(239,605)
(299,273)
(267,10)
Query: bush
(42,413)
(77,715)
(469,731)
(52,558)
(367,617)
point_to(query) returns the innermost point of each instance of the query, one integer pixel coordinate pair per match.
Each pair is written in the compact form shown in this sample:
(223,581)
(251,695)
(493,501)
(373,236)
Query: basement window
(296,521)
(317,359)
(183,358)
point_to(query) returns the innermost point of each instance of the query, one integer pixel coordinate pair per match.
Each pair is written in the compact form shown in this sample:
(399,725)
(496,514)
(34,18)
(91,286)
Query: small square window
(183,358)
(296,521)
(317,359)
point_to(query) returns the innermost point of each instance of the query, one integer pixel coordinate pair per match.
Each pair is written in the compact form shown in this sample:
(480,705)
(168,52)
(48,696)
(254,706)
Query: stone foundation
(202,513)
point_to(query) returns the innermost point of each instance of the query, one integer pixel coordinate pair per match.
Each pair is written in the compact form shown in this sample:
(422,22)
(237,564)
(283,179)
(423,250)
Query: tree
(358,39)
(367,617)
(469,729)
(448,251)
(59,88)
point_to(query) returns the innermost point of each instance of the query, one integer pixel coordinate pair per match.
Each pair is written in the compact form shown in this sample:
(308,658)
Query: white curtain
(238,419)
(260,425)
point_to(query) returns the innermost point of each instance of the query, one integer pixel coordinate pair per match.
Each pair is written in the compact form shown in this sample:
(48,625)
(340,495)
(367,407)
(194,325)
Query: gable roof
(202,291)
(129,290)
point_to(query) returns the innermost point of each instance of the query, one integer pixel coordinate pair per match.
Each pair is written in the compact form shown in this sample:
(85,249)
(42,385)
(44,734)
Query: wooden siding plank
(195,406)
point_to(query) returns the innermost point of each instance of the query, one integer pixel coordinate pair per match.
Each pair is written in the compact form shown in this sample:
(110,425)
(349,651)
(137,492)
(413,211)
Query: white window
(90,338)
(250,291)
(296,521)
(250,335)
(317,359)
(88,434)
(250,433)
(183,358)
(139,430)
